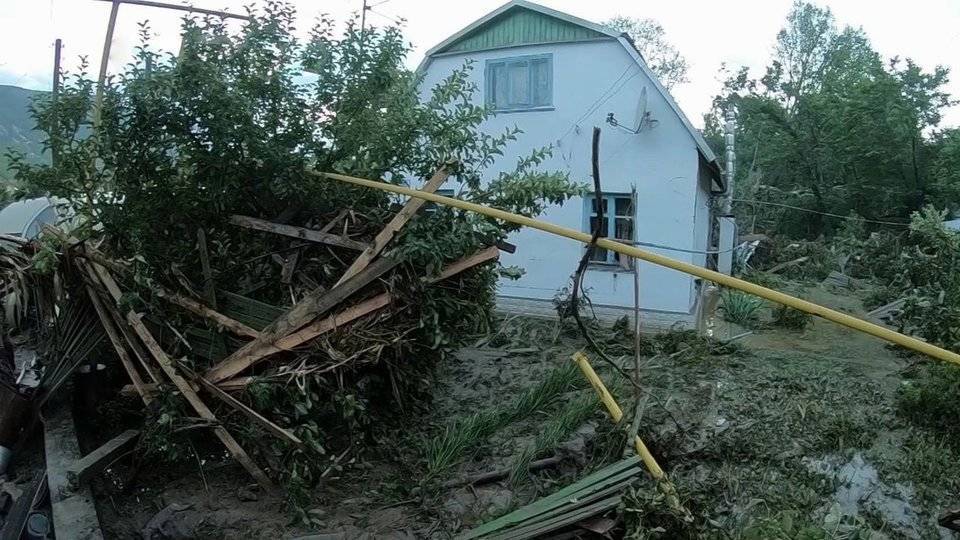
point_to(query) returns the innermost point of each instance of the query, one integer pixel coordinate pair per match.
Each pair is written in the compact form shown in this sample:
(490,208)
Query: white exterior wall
(662,162)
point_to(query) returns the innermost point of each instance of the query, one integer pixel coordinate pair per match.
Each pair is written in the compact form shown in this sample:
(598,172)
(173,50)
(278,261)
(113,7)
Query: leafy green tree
(830,127)
(651,40)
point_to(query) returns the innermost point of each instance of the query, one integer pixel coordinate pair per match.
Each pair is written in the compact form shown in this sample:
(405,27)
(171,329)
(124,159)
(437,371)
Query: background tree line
(833,127)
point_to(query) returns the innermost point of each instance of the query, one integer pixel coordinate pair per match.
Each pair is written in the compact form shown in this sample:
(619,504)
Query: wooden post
(54,99)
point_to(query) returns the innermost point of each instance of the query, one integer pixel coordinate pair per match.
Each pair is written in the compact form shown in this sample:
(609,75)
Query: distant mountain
(16,125)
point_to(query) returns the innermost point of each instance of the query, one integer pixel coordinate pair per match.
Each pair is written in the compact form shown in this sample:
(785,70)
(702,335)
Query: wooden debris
(92,464)
(787,264)
(230,367)
(197,308)
(269,426)
(838,279)
(310,307)
(119,347)
(498,474)
(403,216)
(588,497)
(233,385)
(74,515)
(188,392)
(297,232)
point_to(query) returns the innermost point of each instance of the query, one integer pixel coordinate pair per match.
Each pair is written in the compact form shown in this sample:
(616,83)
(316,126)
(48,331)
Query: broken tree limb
(228,368)
(118,345)
(297,232)
(314,305)
(403,216)
(269,426)
(188,392)
(197,308)
(85,468)
(498,474)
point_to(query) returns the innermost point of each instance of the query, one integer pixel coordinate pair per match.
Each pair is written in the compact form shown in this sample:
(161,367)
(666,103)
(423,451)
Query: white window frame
(611,258)
(489,83)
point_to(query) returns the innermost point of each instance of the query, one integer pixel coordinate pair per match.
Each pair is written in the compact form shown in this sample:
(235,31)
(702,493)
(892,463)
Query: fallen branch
(297,232)
(498,474)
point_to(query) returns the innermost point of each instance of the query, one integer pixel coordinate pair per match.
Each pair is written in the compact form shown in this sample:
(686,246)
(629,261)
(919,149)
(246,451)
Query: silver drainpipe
(729,140)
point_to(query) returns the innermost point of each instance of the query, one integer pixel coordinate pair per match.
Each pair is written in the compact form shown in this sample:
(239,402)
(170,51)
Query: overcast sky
(738,32)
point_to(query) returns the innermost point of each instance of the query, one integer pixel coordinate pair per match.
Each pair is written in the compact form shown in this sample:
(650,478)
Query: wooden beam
(297,232)
(314,305)
(233,385)
(201,310)
(92,464)
(266,424)
(489,254)
(132,341)
(403,216)
(228,369)
(74,514)
(118,345)
(209,291)
(190,9)
(188,392)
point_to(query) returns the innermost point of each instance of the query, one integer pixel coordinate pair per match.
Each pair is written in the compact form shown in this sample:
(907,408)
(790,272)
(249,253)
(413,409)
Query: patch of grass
(739,307)
(464,435)
(558,429)
(929,463)
(793,319)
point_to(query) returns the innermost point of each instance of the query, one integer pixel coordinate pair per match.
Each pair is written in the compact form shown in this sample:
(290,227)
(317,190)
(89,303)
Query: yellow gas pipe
(710,275)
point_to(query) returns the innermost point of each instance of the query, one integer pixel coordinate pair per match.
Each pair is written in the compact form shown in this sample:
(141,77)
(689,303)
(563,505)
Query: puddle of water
(860,489)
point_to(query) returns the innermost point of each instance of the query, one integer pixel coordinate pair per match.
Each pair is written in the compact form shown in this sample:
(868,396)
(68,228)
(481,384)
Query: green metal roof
(520,26)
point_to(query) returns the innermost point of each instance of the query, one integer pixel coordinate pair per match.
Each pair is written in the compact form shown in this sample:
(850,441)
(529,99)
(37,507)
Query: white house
(556,76)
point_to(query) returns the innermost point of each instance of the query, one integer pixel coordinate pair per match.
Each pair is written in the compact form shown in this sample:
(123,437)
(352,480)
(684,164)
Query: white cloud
(707,33)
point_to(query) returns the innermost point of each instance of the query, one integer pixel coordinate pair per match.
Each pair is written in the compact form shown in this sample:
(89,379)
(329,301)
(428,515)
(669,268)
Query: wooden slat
(188,392)
(85,468)
(383,238)
(297,232)
(488,254)
(314,305)
(271,428)
(233,385)
(197,308)
(118,345)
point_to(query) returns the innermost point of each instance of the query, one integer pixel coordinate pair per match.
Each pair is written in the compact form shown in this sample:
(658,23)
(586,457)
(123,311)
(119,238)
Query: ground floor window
(618,216)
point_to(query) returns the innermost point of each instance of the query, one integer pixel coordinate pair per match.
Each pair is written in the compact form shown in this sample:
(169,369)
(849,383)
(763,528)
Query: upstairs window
(521,83)
(618,216)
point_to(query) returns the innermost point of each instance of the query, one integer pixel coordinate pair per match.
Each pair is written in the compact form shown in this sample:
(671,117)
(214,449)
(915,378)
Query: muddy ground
(782,434)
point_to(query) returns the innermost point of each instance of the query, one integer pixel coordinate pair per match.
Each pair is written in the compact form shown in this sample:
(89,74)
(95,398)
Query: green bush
(740,308)
(933,401)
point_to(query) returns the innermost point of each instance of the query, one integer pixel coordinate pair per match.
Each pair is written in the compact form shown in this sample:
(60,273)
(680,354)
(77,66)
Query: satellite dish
(644,119)
(641,111)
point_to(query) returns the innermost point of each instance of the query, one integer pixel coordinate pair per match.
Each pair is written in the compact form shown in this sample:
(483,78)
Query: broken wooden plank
(228,368)
(197,308)
(118,346)
(297,232)
(488,254)
(188,392)
(74,515)
(84,469)
(233,385)
(289,267)
(269,426)
(209,291)
(403,216)
(314,305)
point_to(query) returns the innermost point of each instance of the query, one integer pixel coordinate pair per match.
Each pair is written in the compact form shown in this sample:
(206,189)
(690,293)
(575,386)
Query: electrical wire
(850,218)
(603,98)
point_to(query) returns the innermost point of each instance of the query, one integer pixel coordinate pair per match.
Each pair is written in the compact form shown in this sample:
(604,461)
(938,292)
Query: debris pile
(243,292)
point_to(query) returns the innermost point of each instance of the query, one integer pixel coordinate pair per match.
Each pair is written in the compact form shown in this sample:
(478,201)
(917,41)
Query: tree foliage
(233,125)
(651,40)
(832,127)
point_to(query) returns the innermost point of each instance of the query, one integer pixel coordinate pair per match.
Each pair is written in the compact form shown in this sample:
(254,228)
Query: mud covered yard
(819,433)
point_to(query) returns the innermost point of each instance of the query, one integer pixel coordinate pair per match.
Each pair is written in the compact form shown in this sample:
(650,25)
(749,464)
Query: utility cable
(798,208)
